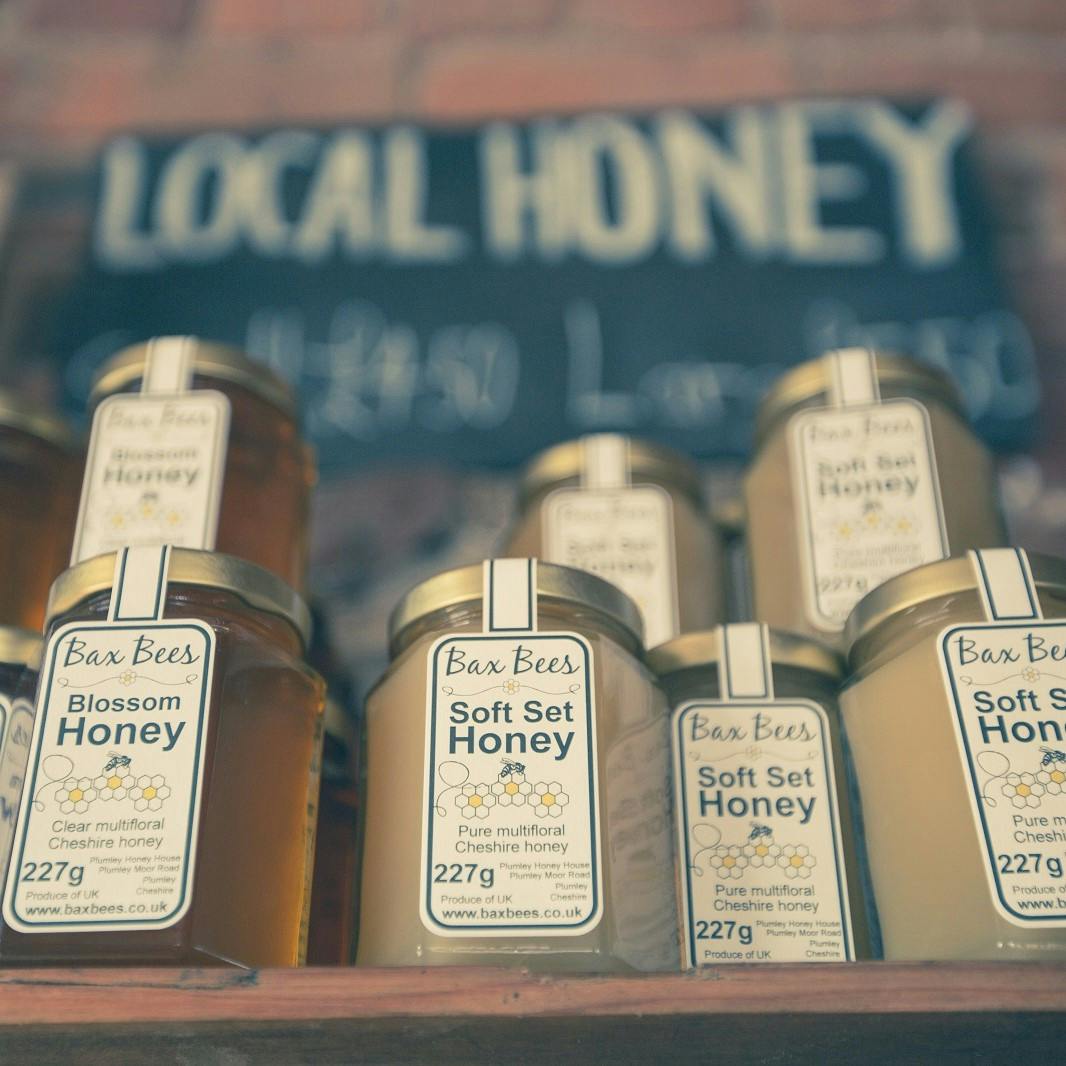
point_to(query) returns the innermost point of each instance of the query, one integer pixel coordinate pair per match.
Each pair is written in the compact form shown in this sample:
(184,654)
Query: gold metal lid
(946,577)
(210,360)
(647,462)
(36,420)
(702,648)
(20,646)
(555,585)
(258,588)
(896,374)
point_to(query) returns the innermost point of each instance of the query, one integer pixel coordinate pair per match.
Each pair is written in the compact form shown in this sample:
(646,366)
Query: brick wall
(73,70)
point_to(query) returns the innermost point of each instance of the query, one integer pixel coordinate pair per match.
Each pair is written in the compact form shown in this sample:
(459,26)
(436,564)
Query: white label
(626,536)
(869,501)
(1007,687)
(510,839)
(106,837)
(14,752)
(759,839)
(153,473)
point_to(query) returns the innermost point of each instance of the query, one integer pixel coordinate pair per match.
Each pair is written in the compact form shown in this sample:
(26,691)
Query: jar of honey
(767,854)
(40,464)
(20,657)
(517,780)
(167,815)
(633,513)
(956,717)
(196,445)
(865,467)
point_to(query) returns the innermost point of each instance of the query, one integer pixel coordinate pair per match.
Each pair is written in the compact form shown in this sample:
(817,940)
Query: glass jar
(957,737)
(20,659)
(40,465)
(768,856)
(200,810)
(865,467)
(267,472)
(519,814)
(632,512)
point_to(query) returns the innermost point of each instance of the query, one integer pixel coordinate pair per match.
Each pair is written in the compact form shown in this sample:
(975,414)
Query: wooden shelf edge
(125,996)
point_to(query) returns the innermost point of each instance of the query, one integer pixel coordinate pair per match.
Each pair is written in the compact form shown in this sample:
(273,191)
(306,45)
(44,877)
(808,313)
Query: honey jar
(196,445)
(40,463)
(20,657)
(767,856)
(956,717)
(633,513)
(167,814)
(865,467)
(517,779)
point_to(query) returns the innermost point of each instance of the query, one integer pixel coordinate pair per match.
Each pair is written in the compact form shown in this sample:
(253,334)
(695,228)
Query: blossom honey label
(759,839)
(106,833)
(1006,683)
(154,472)
(17,716)
(510,826)
(869,503)
(625,535)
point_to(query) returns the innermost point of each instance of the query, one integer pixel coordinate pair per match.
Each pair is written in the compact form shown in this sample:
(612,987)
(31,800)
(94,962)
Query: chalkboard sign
(472,295)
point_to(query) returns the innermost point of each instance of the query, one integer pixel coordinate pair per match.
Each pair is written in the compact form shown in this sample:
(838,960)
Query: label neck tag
(852,378)
(1005,582)
(605,461)
(139,588)
(168,365)
(509,603)
(745,671)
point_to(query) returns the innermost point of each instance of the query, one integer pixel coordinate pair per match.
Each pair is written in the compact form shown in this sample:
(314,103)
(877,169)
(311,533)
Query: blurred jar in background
(197,446)
(633,513)
(40,466)
(865,467)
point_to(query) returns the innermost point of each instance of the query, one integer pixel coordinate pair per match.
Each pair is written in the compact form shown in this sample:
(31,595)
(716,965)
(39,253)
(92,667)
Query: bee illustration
(758,830)
(114,761)
(1052,755)
(512,768)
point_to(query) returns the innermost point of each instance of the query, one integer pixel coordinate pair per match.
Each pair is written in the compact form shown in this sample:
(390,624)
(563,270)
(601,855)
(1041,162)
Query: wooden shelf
(879,1012)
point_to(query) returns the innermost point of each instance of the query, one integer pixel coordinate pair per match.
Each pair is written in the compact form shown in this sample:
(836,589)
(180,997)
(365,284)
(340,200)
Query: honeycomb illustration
(1023,790)
(475,801)
(549,800)
(149,792)
(115,785)
(796,860)
(1053,780)
(511,790)
(729,861)
(75,795)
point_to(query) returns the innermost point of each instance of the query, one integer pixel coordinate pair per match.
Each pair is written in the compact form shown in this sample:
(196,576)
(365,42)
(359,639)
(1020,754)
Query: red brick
(283,18)
(159,16)
(1025,15)
(1003,86)
(660,15)
(476,79)
(438,17)
(844,14)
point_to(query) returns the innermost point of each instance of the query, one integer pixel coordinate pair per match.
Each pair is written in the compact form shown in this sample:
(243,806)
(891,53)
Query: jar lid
(258,588)
(210,359)
(38,421)
(555,584)
(810,379)
(647,462)
(703,648)
(945,577)
(20,646)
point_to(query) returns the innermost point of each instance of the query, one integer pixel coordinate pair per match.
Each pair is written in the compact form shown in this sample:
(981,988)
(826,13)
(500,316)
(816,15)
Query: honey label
(17,716)
(510,831)
(625,535)
(868,500)
(758,829)
(107,829)
(1006,684)
(154,472)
